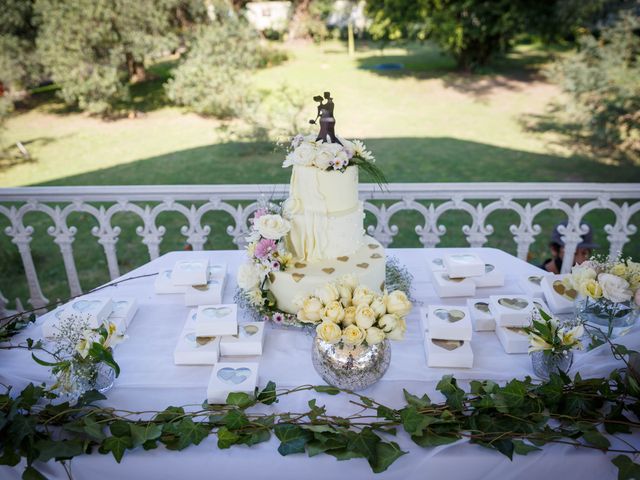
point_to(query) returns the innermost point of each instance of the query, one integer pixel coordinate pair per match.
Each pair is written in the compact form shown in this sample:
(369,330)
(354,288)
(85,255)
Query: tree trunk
(298,19)
(137,71)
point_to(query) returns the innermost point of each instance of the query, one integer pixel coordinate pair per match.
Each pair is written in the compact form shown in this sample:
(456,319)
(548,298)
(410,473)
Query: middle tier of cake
(303,278)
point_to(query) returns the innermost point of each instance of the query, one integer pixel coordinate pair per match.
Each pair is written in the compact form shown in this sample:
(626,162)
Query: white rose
(362,296)
(353,335)
(273,227)
(614,289)
(349,316)
(388,322)
(398,303)
(378,306)
(248,276)
(324,157)
(365,316)
(581,275)
(349,280)
(398,332)
(333,312)
(327,293)
(304,155)
(375,336)
(345,295)
(329,332)
(312,309)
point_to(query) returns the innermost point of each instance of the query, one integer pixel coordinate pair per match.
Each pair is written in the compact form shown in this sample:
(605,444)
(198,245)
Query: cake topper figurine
(327,120)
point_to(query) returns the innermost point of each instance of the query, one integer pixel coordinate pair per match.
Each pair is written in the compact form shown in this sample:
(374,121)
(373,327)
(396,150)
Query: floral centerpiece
(551,344)
(609,294)
(353,325)
(83,357)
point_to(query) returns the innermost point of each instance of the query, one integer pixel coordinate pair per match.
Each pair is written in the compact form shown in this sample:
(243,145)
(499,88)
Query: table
(150,380)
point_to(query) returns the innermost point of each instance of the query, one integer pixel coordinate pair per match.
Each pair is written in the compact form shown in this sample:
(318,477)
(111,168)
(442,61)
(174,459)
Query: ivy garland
(518,418)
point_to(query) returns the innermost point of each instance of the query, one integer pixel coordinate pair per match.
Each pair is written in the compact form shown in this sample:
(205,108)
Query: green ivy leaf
(521,448)
(432,439)
(90,398)
(344,454)
(235,419)
(596,439)
(386,454)
(449,388)
(292,438)
(413,421)
(226,438)
(117,446)
(627,469)
(141,434)
(169,414)
(327,389)
(120,428)
(191,433)
(418,402)
(257,436)
(93,429)
(268,394)
(104,355)
(365,443)
(386,413)
(9,457)
(58,449)
(240,399)
(30,473)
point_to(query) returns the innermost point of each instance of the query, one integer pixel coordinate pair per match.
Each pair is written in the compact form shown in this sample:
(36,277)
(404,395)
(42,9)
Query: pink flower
(265,247)
(278,317)
(275,265)
(259,213)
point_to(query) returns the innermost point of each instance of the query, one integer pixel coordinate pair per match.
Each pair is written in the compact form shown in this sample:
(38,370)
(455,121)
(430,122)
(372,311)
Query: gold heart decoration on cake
(518,330)
(447,344)
(561,289)
(376,255)
(373,246)
(513,303)
(451,316)
(382,287)
(272,278)
(299,265)
(328,270)
(535,279)
(451,279)
(363,265)
(297,276)
(343,259)
(482,306)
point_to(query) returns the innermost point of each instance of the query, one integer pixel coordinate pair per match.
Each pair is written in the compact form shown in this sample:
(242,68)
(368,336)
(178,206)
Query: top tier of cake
(325,213)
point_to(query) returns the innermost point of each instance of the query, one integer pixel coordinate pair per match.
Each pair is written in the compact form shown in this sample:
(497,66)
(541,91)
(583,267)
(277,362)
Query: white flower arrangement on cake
(267,254)
(307,151)
(346,312)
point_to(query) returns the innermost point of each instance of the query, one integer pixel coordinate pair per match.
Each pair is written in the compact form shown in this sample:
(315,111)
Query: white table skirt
(150,380)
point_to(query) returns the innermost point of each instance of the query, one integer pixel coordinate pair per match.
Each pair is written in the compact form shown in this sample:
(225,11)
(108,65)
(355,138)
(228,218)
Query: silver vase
(545,363)
(350,367)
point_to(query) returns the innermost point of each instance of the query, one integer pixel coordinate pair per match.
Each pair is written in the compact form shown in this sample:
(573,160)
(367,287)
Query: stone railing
(430,200)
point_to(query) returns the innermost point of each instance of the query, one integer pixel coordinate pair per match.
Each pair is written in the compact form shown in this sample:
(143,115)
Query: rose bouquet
(353,314)
(307,151)
(609,291)
(267,253)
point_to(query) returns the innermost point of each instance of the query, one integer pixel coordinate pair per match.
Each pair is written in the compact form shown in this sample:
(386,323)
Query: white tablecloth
(150,380)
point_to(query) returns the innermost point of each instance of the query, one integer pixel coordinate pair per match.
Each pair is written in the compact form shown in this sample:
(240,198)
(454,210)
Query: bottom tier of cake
(302,278)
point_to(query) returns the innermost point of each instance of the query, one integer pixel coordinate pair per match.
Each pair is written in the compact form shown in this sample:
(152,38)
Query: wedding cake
(326,238)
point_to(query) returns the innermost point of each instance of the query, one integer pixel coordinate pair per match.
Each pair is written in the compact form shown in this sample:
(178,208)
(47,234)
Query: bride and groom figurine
(327,120)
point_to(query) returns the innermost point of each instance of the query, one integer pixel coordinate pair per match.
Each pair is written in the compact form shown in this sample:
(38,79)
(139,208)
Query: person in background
(584,249)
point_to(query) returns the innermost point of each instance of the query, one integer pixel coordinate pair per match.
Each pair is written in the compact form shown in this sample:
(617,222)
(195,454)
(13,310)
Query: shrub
(602,81)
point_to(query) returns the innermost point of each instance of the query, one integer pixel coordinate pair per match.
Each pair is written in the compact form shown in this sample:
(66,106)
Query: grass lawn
(425,123)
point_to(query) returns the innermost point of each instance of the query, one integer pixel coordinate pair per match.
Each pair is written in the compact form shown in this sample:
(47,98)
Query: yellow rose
(333,312)
(378,306)
(365,316)
(375,336)
(353,335)
(312,308)
(327,294)
(349,316)
(362,296)
(329,332)
(592,288)
(345,293)
(398,332)
(398,303)
(348,280)
(619,270)
(388,322)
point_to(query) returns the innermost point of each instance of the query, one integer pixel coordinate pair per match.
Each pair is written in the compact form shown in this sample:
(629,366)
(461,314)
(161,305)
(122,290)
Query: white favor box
(436,264)
(532,283)
(93,309)
(558,297)
(214,320)
(445,286)
(190,272)
(513,339)
(492,277)
(164,285)
(538,303)
(424,320)
(448,353)
(123,308)
(449,323)
(481,315)
(207,294)
(194,350)
(217,271)
(191,319)
(464,265)
(248,341)
(511,310)
(228,377)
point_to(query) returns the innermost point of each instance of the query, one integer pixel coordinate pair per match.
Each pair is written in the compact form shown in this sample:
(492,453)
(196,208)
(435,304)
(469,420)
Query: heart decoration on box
(234,376)
(438,261)
(190,266)
(447,344)
(513,303)
(216,312)
(482,306)
(451,316)
(248,331)
(167,273)
(202,288)
(488,268)
(561,289)
(85,305)
(451,279)
(199,341)
(518,330)
(536,279)
(120,307)
(463,258)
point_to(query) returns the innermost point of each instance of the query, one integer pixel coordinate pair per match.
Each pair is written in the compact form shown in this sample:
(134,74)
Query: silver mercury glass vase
(350,367)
